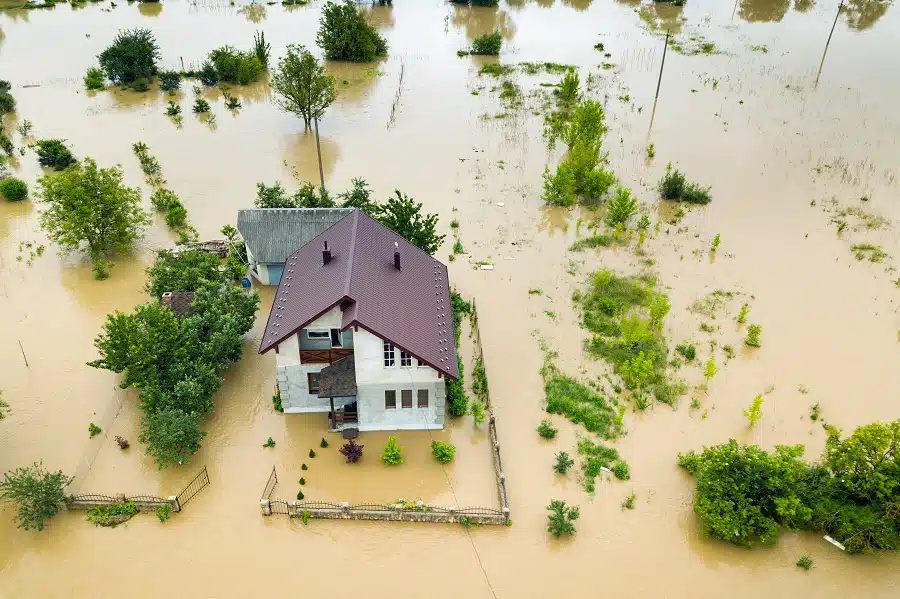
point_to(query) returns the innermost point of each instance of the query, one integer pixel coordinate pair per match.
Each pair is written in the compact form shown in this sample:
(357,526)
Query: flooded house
(362,329)
(272,234)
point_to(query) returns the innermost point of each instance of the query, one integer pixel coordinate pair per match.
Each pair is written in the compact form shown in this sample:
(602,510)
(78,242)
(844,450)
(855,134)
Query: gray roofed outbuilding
(273,234)
(339,379)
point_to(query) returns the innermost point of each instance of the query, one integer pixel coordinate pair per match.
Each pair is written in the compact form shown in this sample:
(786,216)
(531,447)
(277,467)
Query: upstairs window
(405,359)
(318,334)
(388,354)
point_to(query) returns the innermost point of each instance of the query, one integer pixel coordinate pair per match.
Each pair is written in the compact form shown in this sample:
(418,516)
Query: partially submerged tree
(90,204)
(132,55)
(184,271)
(402,215)
(302,85)
(172,436)
(345,35)
(36,493)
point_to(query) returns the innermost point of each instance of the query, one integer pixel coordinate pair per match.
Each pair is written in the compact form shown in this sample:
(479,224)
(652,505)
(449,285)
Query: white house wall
(293,384)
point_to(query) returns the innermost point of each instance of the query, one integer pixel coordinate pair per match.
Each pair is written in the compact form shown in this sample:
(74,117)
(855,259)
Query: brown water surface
(783,146)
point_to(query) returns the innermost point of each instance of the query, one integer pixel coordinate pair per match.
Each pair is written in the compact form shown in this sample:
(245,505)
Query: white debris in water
(501,204)
(835,543)
(486,267)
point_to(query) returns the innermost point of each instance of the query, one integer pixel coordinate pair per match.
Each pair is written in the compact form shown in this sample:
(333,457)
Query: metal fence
(407,511)
(270,485)
(200,482)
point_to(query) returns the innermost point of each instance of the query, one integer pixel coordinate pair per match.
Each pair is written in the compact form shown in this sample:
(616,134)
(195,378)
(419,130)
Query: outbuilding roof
(408,307)
(272,234)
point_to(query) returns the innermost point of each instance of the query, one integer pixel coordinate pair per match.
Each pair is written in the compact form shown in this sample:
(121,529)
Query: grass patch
(596,457)
(711,303)
(113,514)
(496,69)
(873,252)
(553,68)
(675,186)
(625,315)
(594,241)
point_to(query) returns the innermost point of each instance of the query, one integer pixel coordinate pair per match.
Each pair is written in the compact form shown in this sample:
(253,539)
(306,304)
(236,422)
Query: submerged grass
(595,458)
(625,315)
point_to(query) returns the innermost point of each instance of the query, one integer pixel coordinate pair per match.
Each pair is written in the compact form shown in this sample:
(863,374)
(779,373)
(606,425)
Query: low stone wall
(143,504)
(389,513)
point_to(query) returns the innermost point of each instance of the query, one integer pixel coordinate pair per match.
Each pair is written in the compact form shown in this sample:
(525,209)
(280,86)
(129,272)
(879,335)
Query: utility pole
(666,47)
(822,63)
(319,152)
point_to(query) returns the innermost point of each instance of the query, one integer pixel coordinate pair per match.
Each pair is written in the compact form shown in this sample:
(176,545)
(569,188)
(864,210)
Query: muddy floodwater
(785,139)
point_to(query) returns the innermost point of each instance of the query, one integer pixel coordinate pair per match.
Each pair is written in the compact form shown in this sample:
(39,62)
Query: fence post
(506,515)
(345,509)
(265,507)
(292,508)
(120,497)
(176,505)
(451,511)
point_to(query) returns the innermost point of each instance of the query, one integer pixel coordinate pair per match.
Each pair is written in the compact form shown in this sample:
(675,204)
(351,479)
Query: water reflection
(662,16)
(862,14)
(804,5)
(381,17)
(480,20)
(766,11)
(300,158)
(579,5)
(150,9)
(255,12)
(354,82)
(554,219)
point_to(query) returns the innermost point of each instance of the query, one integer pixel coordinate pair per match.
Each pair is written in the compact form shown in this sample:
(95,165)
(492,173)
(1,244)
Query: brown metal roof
(409,308)
(338,379)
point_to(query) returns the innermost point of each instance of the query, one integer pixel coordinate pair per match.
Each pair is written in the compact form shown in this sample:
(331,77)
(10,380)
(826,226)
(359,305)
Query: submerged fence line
(89,501)
(404,511)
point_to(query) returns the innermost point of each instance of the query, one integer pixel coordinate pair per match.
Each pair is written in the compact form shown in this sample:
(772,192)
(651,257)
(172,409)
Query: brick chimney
(396,256)
(326,255)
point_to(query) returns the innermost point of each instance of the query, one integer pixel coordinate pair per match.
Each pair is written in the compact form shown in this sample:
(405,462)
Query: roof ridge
(350,252)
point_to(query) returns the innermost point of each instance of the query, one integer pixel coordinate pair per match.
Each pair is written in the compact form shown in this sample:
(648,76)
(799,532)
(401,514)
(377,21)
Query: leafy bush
(688,351)
(171,435)
(163,511)
(13,189)
(546,429)
(200,106)
(132,55)
(569,87)
(402,215)
(559,187)
(262,49)
(579,403)
(696,194)
(185,271)
(176,217)
(442,452)
(8,148)
(582,130)
(561,518)
(563,463)
(36,493)
(805,562)
(236,66)
(392,454)
(312,454)
(345,35)
(323,443)
(7,102)
(621,470)
(173,109)
(54,153)
(628,504)
(742,315)
(113,514)
(94,430)
(596,457)
(95,79)
(753,332)
(302,481)
(753,412)
(620,208)
(674,186)
(163,199)
(352,451)
(169,81)
(208,74)
(141,84)
(478,413)
(487,44)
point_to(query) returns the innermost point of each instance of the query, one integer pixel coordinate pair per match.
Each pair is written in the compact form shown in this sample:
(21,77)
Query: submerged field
(801,157)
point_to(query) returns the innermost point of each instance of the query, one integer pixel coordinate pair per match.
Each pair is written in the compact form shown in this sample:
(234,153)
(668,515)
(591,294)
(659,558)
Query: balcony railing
(323,356)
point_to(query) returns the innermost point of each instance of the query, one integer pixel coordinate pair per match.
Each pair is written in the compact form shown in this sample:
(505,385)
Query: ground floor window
(390,399)
(422,401)
(313,379)
(406,398)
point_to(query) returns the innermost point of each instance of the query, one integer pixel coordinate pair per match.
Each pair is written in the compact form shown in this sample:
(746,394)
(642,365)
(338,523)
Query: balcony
(323,356)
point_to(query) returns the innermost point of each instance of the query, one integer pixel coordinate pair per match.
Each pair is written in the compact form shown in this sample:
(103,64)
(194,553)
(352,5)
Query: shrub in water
(344,34)
(173,109)
(269,442)
(94,430)
(132,55)
(208,74)
(54,153)
(300,495)
(805,562)
(164,199)
(561,518)
(478,413)
(176,217)
(753,332)
(753,412)
(94,79)
(559,188)
(14,190)
(696,194)
(442,452)
(568,87)
(620,208)
(312,454)
(7,102)
(352,451)
(563,463)
(546,429)
(112,515)
(236,66)
(169,80)
(141,84)
(621,470)
(162,512)
(487,44)
(392,454)
(323,443)
(688,351)
(302,481)
(200,106)
(37,493)
(671,186)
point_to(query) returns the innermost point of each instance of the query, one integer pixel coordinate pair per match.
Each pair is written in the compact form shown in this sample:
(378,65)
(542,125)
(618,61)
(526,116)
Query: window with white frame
(318,334)
(405,359)
(406,398)
(388,354)
(390,399)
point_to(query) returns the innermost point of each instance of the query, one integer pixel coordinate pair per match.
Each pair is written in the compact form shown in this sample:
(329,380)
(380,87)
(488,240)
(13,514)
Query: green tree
(620,208)
(132,55)
(359,196)
(272,196)
(867,463)
(301,85)
(639,370)
(184,271)
(172,436)
(90,204)
(54,153)
(487,44)
(753,412)
(36,492)
(345,35)
(561,518)
(403,216)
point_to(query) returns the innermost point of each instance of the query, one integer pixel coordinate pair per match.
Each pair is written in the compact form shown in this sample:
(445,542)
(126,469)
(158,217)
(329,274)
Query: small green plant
(442,452)
(563,463)
(621,470)
(269,443)
(687,351)
(112,514)
(276,402)
(392,454)
(753,332)
(488,44)
(94,430)
(304,517)
(742,315)
(628,504)
(304,466)
(300,496)
(568,88)
(708,328)
(173,109)
(169,81)
(141,84)
(561,518)
(302,481)
(546,429)
(454,224)
(25,128)
(14,190)
(651,151)
(709,369)
(753,412)
(323,443)
(201,106)
(535,291)
(815,412)
(232,103)
(620,208)
(715,243)
(163,511)
(805,562)
(312,453)
(478,413)
(94,79)
(458,247)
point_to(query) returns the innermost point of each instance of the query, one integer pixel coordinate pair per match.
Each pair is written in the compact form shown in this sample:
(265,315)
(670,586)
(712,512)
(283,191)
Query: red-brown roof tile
(409,308)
